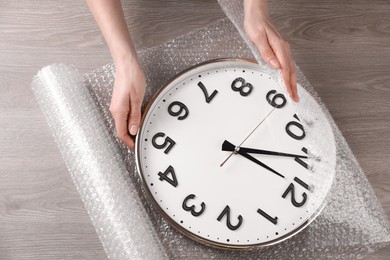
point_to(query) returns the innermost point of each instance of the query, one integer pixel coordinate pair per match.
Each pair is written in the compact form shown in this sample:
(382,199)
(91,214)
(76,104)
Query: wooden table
(343,47)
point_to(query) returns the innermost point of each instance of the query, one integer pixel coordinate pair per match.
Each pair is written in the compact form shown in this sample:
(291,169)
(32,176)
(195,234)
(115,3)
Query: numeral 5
(167,141)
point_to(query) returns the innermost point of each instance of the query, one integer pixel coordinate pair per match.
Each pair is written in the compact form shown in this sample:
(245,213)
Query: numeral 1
(300,161)
(226,211)
(206,94)
(302,183)
(273,220)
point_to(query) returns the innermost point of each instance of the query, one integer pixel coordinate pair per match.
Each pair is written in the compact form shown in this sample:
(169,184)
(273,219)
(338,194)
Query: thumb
(134,116)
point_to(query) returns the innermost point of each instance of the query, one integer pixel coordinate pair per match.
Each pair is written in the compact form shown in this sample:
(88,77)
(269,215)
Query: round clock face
(263,193)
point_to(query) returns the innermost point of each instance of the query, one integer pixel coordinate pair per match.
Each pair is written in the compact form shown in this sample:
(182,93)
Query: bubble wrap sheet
(351,225)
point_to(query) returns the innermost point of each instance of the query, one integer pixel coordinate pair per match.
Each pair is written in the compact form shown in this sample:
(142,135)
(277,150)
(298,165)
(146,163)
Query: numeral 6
(178,113)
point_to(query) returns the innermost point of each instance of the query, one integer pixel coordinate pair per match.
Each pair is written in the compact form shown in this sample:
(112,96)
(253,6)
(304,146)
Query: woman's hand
(129,87)
(126,101)
(272,47)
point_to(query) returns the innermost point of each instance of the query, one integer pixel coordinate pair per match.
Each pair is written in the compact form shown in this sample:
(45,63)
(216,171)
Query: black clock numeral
(192,208)
(300,161)
(275,99)
(268,217)
(168,141)
(302,183)
(206,94)
(291,189)
(226,211)
(164,176)
(178,113)
(245,88)
(296,125)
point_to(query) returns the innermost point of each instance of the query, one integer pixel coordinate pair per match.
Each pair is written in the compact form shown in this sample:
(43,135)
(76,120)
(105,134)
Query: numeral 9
(275,98)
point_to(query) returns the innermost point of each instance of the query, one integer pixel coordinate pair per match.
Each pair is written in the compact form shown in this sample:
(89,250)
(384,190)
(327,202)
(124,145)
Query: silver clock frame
(170,221)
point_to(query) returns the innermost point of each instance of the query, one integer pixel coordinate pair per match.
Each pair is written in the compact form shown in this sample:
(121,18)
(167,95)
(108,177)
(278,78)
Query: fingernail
(274,63)
(133,130)
(296,98)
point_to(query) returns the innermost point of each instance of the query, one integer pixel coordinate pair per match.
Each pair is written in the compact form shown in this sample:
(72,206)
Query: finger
(293,83)
(282,51)
(266,51)
(122,130)
(135,114)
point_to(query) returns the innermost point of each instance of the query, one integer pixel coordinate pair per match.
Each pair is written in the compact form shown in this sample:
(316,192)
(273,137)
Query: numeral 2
(206,94)
(226,211)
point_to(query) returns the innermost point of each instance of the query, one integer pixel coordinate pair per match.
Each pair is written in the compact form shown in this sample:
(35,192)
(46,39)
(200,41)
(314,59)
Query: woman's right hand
(126,101)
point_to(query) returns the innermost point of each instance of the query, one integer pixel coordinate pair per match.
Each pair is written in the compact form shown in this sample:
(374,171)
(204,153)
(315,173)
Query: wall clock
(266,191)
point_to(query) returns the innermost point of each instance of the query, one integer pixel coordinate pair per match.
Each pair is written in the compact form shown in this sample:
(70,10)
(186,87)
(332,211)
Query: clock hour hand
(251,158)
(227,146)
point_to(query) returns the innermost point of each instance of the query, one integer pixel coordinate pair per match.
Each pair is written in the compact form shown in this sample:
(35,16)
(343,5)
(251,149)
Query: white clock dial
(254,198)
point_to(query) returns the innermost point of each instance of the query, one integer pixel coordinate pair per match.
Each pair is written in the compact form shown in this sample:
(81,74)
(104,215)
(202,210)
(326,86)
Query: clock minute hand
(227,146)
(249,157)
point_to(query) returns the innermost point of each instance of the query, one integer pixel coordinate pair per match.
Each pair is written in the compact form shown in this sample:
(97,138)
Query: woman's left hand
(272,47)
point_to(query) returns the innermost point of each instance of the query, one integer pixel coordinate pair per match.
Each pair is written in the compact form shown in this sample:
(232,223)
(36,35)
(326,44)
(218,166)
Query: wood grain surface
(343,47)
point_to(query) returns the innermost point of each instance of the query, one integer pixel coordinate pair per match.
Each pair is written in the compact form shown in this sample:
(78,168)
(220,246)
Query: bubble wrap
(351,225)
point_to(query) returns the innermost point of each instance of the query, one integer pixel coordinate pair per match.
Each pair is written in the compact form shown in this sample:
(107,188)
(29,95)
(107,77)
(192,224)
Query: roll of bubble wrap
(352,224)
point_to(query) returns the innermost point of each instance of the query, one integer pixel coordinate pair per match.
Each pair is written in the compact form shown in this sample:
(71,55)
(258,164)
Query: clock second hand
(238,147)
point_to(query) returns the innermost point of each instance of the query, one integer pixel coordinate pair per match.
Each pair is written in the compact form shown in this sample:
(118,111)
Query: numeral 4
(164,176)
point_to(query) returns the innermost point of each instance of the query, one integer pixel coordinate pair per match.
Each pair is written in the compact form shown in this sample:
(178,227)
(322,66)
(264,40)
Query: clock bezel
(172,222)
